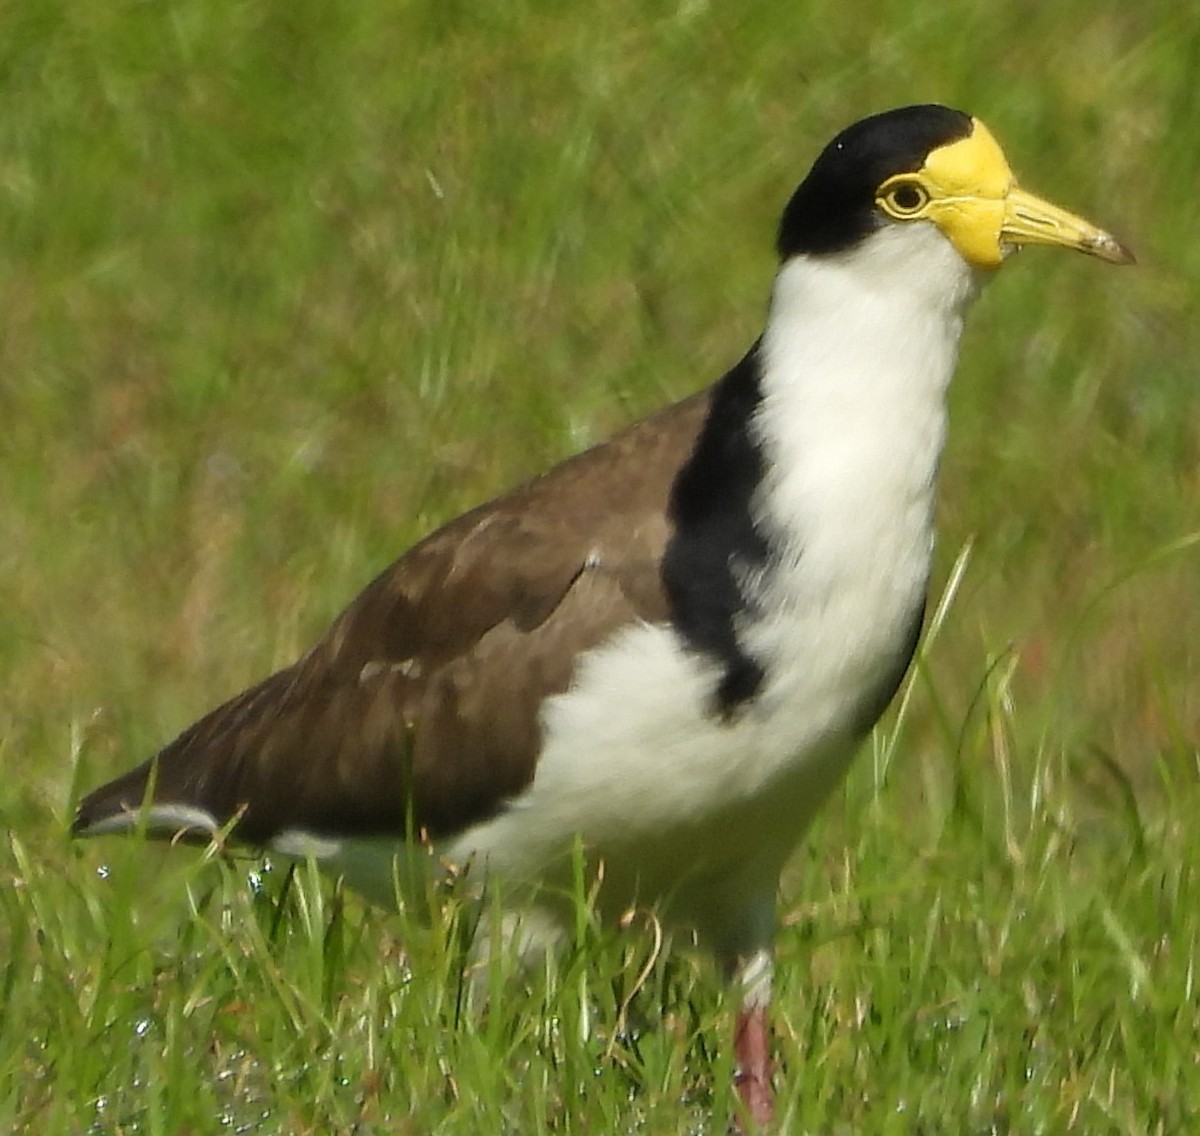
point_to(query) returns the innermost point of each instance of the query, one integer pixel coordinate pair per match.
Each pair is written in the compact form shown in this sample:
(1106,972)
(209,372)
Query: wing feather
(420,705)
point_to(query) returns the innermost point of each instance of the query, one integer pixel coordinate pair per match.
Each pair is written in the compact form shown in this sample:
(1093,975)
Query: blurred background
(284,285)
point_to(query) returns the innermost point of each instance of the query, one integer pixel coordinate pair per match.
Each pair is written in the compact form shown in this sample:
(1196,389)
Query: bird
(665,650)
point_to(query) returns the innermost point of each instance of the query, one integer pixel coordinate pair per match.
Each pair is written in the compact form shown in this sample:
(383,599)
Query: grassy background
(285,284)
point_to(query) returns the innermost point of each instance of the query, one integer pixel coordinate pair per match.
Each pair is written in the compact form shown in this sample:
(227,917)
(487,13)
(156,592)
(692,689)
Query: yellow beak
(1028,220)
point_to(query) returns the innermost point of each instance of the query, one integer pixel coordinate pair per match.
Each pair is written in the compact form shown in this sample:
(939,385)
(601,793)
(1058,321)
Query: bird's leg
(752,1047)
(752,1039)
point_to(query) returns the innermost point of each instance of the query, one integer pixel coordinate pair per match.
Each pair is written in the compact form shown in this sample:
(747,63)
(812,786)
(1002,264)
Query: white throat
(856,358)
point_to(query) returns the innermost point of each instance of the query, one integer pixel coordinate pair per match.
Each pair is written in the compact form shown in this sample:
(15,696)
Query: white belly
(687,810)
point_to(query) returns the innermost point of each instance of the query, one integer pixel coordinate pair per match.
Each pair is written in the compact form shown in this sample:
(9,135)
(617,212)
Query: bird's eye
(905,199)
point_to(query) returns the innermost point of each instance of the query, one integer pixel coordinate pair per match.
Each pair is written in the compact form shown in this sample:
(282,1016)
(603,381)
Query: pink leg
(752,1049)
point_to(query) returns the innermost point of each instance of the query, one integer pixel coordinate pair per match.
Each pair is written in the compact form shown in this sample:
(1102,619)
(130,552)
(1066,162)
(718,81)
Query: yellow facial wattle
(967,189)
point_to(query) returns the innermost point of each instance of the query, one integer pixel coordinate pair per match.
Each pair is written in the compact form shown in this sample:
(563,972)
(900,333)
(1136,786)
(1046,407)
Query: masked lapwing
(664,651)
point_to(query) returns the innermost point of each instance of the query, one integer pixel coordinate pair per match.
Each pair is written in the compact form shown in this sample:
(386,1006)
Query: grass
(284,285)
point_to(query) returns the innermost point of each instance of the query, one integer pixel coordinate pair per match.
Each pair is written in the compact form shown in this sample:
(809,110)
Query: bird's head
(925,165)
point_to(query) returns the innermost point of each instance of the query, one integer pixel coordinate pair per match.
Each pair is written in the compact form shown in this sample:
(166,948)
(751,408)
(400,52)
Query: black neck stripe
(715,541)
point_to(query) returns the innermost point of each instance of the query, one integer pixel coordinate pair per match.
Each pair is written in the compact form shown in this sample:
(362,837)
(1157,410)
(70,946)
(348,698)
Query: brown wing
(419,707)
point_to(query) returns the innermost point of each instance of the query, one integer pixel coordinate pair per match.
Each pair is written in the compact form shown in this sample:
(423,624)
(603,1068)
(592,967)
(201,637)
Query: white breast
(859,351)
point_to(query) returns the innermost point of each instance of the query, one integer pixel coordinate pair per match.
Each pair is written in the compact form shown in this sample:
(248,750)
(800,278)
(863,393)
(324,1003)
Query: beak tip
(1109,248)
